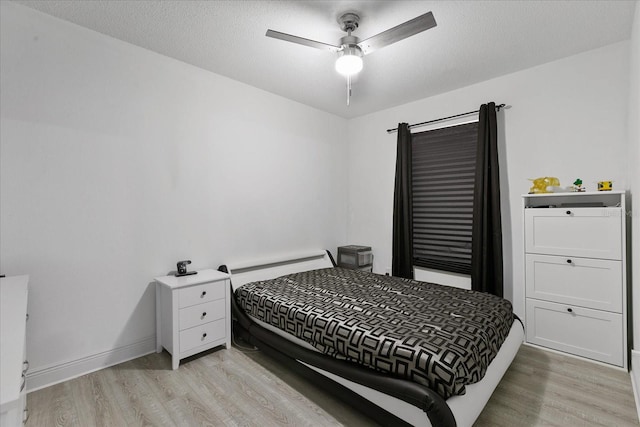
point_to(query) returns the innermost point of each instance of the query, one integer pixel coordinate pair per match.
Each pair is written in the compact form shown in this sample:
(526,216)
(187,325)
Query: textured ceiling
(474,41)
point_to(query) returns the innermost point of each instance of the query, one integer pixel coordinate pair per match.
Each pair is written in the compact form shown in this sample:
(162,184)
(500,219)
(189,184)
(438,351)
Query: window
(444,165)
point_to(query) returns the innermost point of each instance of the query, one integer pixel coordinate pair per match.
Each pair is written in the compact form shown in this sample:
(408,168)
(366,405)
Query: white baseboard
(635,377)
(55,374)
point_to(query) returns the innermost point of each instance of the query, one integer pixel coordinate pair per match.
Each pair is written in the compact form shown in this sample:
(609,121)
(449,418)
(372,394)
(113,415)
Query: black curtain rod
(498,107)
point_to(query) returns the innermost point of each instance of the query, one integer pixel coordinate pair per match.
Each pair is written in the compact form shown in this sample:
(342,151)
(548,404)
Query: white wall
(117,162)
(634,186)
(567,119)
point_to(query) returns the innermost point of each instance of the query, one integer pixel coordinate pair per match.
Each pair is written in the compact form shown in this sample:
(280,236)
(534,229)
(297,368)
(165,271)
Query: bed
(391,395)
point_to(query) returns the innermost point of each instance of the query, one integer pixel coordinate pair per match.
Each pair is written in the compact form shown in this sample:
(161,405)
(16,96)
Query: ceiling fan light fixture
(349,60)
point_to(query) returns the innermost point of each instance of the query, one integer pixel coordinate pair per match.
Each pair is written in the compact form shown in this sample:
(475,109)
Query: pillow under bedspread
(438,336)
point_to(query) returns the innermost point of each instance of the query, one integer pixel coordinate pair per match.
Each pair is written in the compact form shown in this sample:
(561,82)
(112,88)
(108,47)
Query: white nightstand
(193,313)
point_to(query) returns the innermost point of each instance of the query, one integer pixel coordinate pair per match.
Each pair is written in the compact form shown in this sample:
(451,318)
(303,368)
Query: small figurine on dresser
(577,186)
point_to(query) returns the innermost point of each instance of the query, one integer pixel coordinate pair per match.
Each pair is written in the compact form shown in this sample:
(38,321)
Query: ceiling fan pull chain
(348,90)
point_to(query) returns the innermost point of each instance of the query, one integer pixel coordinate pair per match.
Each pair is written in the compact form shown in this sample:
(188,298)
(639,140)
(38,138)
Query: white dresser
(13,361)
(193,313)
(575,274)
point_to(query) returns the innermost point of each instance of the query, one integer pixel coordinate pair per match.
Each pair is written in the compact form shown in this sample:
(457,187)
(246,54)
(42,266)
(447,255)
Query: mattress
(437,336)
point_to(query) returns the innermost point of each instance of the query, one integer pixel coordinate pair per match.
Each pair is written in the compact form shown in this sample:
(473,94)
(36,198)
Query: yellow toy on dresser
(605,185)
(540,185)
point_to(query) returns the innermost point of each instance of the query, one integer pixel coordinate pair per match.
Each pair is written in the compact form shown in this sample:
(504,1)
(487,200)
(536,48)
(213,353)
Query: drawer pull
(570,310)
(204,314)
(568,212)
(204,335)
(569,261)
(203,294)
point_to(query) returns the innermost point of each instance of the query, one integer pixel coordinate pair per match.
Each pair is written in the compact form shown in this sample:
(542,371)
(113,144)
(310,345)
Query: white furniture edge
(65,371)
(465,408)
(635,377)
(203,276)
(13,324)
(272,267)
(575,356)
(276,259)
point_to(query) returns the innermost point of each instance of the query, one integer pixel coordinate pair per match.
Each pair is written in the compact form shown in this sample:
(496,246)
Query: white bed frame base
(465,408)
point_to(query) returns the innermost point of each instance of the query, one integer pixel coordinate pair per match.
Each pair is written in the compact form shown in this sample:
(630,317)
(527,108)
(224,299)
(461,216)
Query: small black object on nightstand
(182,269)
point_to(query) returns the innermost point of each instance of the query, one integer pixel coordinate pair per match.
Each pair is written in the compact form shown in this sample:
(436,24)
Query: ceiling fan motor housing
(350,49)
(349,41)
(349,22)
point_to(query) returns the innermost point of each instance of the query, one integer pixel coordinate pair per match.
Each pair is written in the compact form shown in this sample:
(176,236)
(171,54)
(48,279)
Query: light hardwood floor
(246,388)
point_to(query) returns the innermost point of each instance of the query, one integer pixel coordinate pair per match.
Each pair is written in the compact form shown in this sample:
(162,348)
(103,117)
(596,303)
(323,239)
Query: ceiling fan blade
(302,41)
(400,32)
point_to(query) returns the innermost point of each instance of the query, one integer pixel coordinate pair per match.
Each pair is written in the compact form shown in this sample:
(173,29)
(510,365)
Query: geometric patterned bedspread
(438,336)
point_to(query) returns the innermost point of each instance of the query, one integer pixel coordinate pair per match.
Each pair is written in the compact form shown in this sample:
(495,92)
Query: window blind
(444,164)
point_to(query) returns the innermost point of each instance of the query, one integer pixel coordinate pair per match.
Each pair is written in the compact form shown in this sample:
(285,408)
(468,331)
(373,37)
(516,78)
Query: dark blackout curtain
(486,237)
(402,256)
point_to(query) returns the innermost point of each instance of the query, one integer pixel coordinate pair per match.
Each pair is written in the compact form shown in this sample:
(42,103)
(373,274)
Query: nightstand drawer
(201,293)
(201,313)
(586,282)
(202,335)
(581,331)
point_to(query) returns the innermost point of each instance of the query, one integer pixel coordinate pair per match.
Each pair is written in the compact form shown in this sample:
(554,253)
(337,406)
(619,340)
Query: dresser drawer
(583,232)
(202,335)
(201,313)
(586,282)
(581,331)
(201,293)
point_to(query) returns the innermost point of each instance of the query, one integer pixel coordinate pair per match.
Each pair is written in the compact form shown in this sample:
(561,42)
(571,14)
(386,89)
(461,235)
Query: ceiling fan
(351,49)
